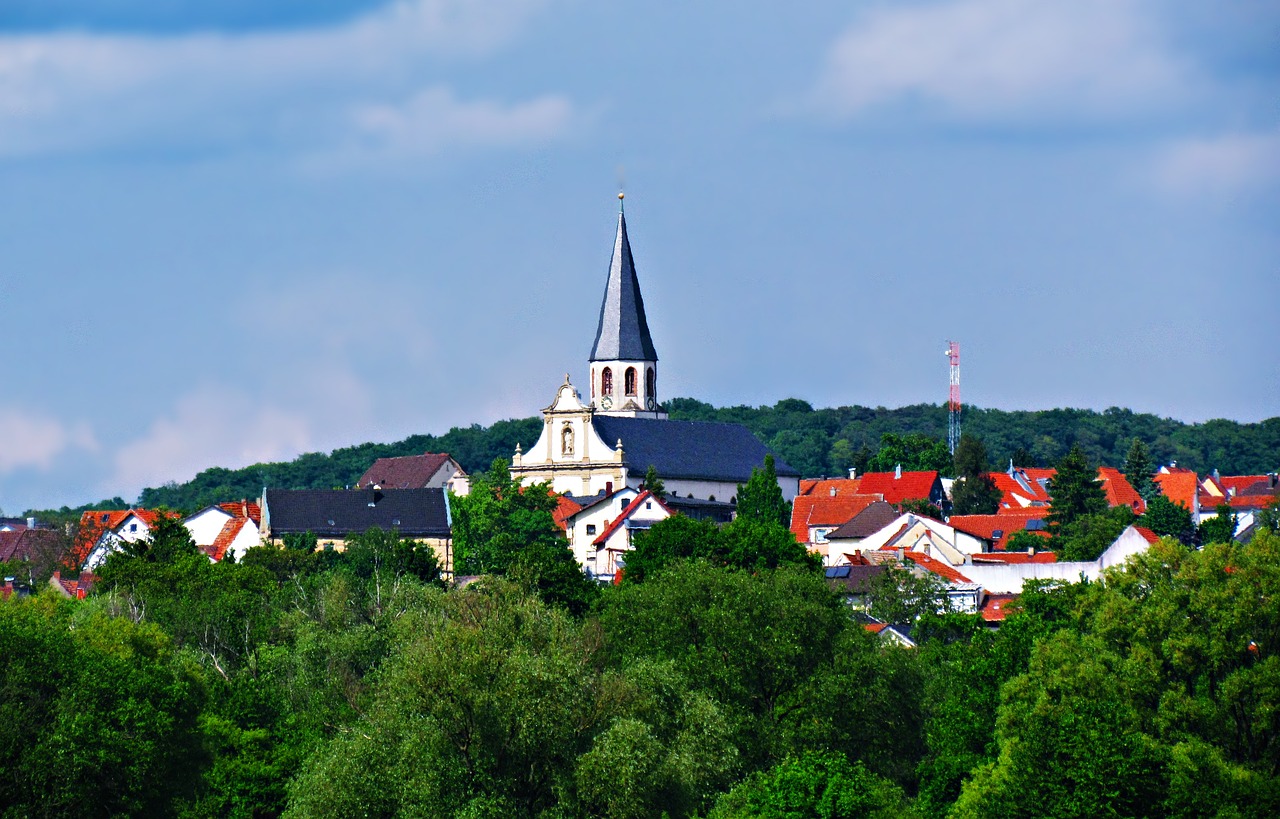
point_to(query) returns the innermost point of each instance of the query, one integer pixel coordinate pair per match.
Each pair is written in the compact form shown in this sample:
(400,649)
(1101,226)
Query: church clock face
(606,401)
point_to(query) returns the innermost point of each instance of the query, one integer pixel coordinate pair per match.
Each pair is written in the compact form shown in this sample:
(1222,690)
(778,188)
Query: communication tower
(953,401)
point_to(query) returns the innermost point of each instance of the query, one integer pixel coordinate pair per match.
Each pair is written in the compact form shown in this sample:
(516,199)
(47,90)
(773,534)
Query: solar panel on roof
(1035,526)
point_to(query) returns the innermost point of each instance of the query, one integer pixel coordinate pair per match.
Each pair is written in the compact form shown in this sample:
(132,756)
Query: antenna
(953,399)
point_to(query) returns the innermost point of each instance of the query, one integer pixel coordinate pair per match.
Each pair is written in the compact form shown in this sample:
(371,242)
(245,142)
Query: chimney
(853,473)
(897,472)
(902,554)
(1031,551)
(244,507)
(833,491)
(374,494)
(31,523)
(1216,476)
(1271,476)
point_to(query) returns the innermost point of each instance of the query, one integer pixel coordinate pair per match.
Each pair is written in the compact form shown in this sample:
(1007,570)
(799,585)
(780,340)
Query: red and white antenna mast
(953,400)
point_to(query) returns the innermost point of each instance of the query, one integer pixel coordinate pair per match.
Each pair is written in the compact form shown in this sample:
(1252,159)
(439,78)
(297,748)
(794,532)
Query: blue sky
(237,231)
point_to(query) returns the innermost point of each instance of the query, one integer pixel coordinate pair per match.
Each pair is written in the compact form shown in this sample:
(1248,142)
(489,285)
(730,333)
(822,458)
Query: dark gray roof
(342,512)
(691,450)
(867,522)
(623,332)
(853,579)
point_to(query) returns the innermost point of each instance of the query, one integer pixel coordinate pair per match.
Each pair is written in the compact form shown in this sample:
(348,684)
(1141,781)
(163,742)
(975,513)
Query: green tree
(100,715)
(654,483)
(1220,528)
(761,498)
(745,543)
(914,452)
(974,491)
(815,785)
(502,528)
(900,595)
(1138,470)
(1168,519)
(1087,537)
(1023,458)
(921,508)
(1075,493)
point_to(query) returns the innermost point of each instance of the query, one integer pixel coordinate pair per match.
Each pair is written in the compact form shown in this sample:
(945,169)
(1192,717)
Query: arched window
(606,381)
(630,381)
(651,384)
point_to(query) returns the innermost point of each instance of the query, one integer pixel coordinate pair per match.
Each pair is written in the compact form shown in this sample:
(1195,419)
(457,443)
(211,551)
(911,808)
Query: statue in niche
(566,441)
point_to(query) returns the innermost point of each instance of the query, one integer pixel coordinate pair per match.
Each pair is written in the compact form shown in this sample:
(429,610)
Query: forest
(815,441)
(726,679)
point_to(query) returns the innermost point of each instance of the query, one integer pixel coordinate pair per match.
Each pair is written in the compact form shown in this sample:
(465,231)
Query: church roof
(623,332)
(689,450)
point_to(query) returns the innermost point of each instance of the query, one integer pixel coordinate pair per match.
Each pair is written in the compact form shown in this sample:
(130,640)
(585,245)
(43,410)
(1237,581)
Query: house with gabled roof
(103,532)
(226,528)
(334,516)
(610,547)
(846,538)
(815,516)
(431,470)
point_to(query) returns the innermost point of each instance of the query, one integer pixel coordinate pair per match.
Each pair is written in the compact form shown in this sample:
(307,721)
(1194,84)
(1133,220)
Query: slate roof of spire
(688,449)
(623,332)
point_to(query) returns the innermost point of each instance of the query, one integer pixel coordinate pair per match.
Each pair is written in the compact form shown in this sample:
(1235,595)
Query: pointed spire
(623,332)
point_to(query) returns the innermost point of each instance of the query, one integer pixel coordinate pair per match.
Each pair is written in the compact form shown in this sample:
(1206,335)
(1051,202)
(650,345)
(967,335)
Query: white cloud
(1001,59)
(28,440)
(212,426)
(1222,164)
(296,89)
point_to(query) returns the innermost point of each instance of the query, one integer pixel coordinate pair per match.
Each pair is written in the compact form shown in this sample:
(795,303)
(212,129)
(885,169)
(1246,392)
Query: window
(651,384)
(606,381)
(648,504)
(133,527)
(630,381)
(591,528)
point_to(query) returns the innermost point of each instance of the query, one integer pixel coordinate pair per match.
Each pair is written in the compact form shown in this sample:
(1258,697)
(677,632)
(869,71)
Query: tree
(971,457)
(1218,529)
(1023,458)
(745,543)
(913,452)
(900,595)
(654,483)
(502,528)
(101,715)
(1075,492)
(1168,519)
(1137,470)
(974,492)
(761,498)
(920,507)
(815,785)
(1087,537)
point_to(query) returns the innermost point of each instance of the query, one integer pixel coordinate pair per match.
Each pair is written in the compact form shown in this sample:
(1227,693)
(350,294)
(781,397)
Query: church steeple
(623,359)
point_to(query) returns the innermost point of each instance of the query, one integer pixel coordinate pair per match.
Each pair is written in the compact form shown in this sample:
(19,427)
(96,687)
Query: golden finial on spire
(621,196)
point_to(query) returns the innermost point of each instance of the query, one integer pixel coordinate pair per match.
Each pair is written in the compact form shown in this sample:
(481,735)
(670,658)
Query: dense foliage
(814,441)
(313,683)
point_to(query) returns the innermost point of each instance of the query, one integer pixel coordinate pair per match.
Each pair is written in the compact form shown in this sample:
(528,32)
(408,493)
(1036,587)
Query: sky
(235,232)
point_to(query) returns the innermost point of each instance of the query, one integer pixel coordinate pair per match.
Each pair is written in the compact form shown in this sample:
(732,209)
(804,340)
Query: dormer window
(630,381)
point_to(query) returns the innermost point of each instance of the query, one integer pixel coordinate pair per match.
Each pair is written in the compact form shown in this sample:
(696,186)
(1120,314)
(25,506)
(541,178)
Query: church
(608,441)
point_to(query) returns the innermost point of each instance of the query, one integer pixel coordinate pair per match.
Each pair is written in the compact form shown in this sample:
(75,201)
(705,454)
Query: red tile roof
(1119,491)
(823,486)
(875,628)
(1009,487)
(824,510)
(939,568)
(94,524)
(1243,483)
(222,542)
(911,486)
(240,508)
(997,607)
(565,509)
(1181,487)
(405,472)
(626,513)
(1147,535)
(1251,501)
(986,526)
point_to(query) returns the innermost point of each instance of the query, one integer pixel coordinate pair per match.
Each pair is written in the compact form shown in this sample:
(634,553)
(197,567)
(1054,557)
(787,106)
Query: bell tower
(624,364)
